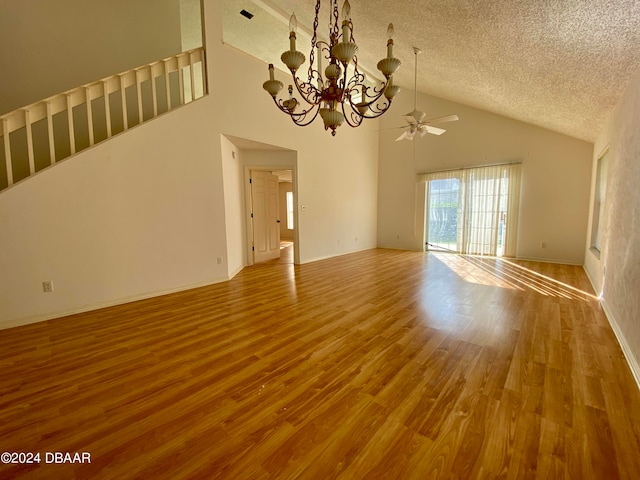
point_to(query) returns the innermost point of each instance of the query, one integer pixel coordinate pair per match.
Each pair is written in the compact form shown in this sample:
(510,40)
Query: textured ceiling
(559,64)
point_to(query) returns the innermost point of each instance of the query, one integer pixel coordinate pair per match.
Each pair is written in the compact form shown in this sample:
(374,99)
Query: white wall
(135,216)
(337,176)
(555,185)
(51,46)
(190,24)
(235,227)
(147,212)
(616,273)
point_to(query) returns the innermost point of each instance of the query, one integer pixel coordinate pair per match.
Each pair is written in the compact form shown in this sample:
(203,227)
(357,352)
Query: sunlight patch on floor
(504,273)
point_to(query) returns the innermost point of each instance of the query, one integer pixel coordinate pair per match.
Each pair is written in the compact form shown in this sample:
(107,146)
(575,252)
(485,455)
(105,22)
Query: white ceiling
(559,64)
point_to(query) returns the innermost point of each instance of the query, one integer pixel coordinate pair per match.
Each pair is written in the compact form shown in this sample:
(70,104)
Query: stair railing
(44,133)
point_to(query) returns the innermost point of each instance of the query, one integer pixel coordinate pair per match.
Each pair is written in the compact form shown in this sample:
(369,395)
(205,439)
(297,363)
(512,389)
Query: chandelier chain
(314,41)
(336,26)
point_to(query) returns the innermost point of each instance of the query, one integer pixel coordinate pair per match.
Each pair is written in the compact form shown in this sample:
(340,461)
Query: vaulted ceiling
(558,64)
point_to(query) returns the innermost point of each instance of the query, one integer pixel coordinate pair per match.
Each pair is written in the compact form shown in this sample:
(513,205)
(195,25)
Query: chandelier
(338,96)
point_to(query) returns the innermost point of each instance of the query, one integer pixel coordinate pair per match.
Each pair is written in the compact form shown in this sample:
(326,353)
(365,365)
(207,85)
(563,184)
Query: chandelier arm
(357,80)
(378,109)
(307,91)
(298,118)
(375,107)
(378,91)
(366,98)
(353,117)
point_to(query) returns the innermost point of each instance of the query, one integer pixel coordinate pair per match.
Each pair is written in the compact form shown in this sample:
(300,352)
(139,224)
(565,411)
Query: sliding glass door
(473,211)
(442,214)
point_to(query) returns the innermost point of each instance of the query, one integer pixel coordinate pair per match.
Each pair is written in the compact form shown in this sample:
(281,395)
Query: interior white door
(266,226)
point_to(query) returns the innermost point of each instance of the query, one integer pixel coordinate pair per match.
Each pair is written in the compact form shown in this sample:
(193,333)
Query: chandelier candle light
(336,96)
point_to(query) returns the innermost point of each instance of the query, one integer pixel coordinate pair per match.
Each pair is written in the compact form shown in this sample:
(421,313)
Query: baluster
(52,145)
(167,86)
(181,84)
(7,150)
(154,92)
(203,73)
(193,80)
(139,92)
(29,130)
(72,133)
(123,95)
(107,107)
(89,114)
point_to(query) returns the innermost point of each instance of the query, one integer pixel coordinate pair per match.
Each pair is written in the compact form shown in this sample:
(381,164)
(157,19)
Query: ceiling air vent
(246,14)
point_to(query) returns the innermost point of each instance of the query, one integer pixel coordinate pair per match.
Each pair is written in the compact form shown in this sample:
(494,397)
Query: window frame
(599,203)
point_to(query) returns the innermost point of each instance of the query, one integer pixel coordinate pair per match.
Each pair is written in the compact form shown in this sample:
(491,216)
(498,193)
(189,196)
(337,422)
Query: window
(599,202)
(289,210)
(473,210)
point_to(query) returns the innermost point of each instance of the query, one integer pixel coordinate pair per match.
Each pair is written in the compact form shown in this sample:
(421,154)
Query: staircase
(39,135)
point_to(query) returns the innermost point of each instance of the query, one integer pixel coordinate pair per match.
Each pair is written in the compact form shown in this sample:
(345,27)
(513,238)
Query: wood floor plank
(378,364)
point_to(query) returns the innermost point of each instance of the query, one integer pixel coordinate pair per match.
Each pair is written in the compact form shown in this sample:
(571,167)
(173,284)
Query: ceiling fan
(415,119)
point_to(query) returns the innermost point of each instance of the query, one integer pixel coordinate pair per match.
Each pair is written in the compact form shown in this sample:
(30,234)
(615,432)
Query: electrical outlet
(219,260)
(47,286)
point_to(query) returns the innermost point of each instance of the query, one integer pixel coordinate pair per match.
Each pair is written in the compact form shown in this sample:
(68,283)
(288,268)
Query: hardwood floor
(378,364)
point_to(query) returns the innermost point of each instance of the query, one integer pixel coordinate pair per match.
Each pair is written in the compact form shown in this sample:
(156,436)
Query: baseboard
(593,285)
(405,249)
(326,257)
(236,271)
(547,260)
(18,322)
(626,349)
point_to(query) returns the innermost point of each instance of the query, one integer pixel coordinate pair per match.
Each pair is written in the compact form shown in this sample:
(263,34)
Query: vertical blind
(485,194)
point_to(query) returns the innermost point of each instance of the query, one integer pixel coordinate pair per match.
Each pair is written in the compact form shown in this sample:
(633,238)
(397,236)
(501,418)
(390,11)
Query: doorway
(271,215)
(265,216)
(442,214)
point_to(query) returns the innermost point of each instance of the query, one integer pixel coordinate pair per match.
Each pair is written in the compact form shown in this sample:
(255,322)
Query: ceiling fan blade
(446,118)
(402,137)
(434,130)
(393,128)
